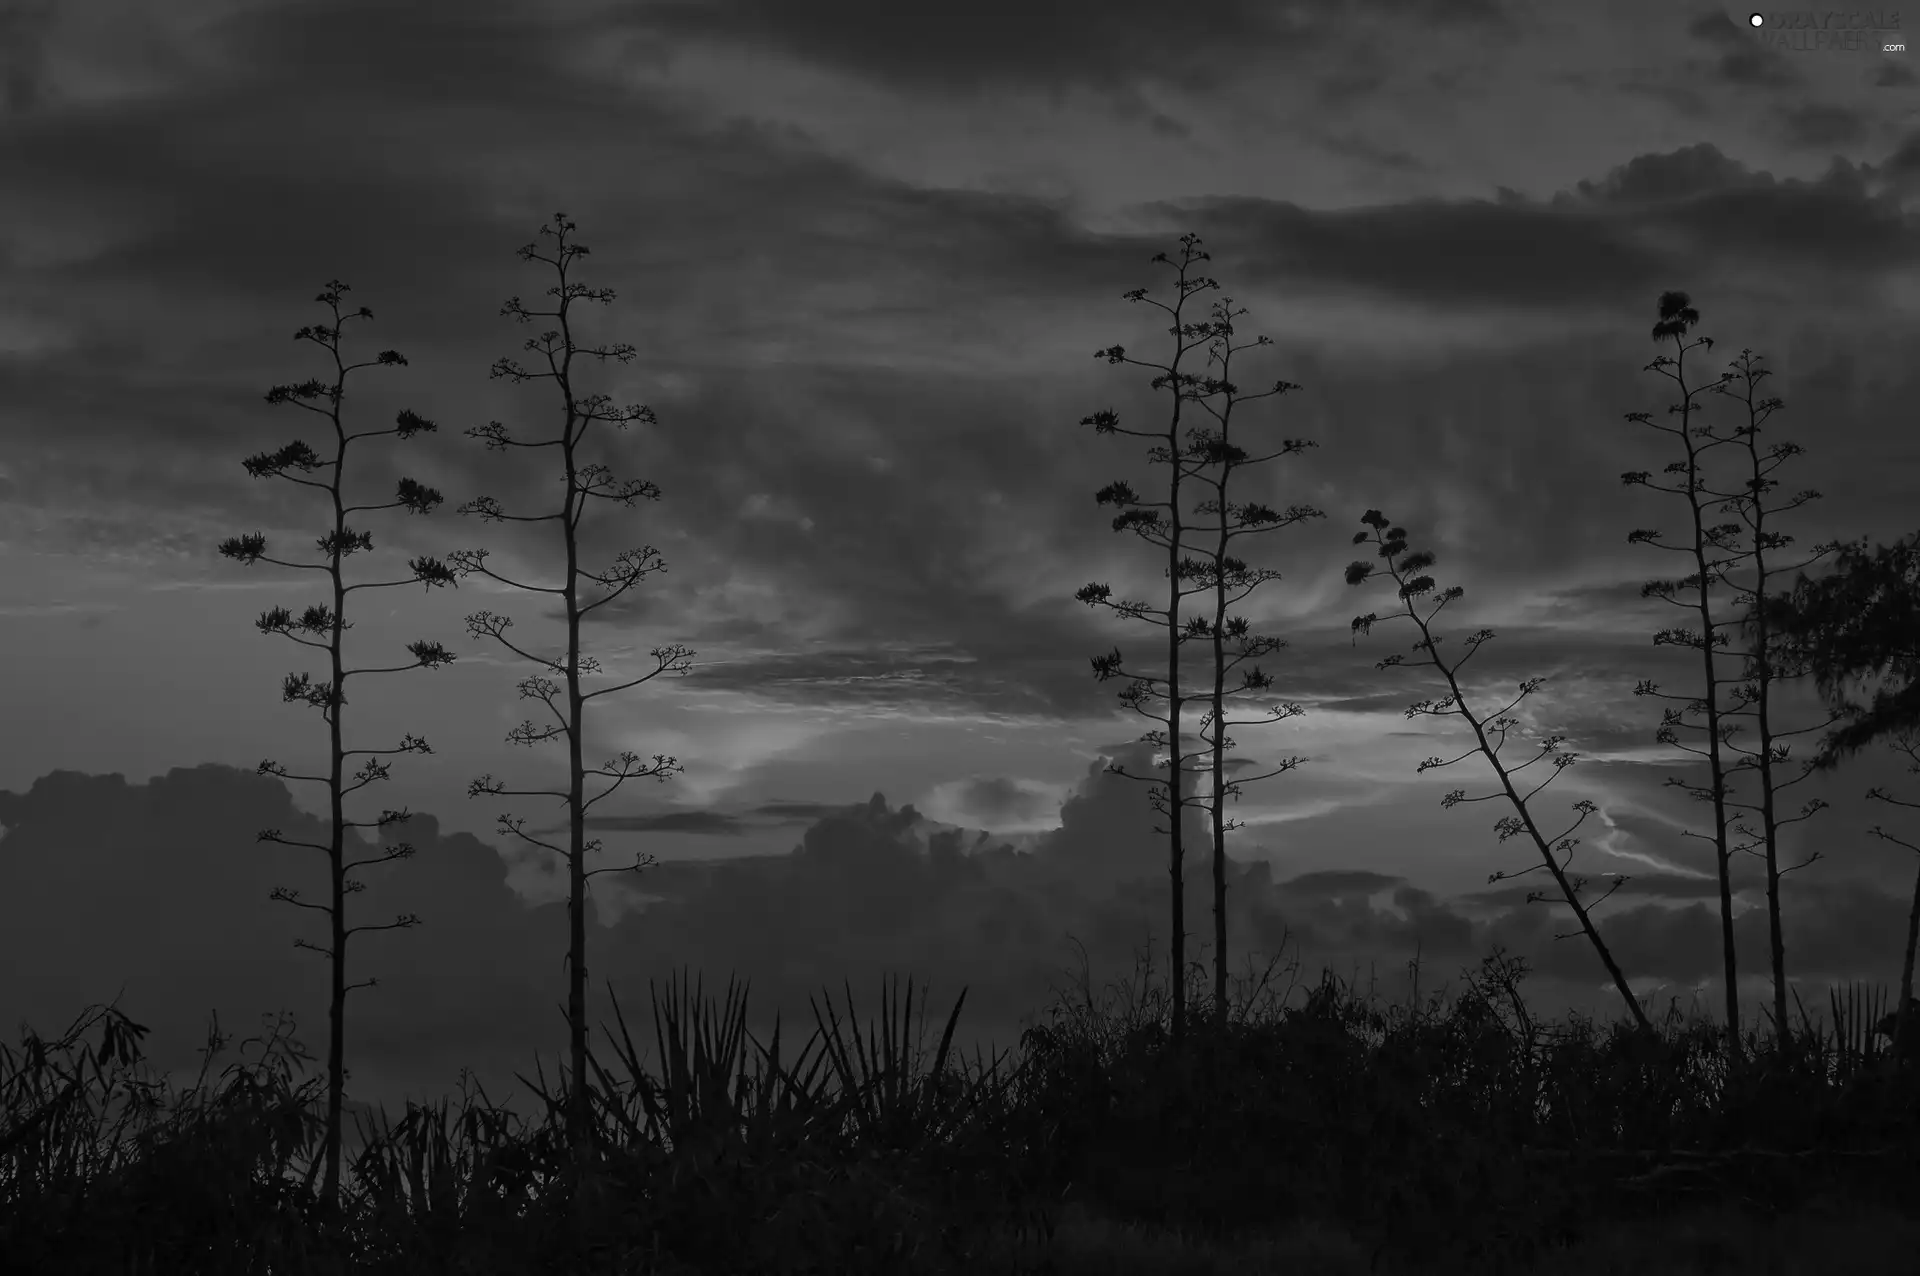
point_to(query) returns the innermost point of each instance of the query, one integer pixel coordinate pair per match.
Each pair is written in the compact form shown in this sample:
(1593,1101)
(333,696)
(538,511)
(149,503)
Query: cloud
(1334,883)
(25,29)
(1688,173)
(994,802)
(1901,169)
(716,822)
(891,345)
(166,902)
(1824,125)
(1888,74)
(1743,60)
(949,47)
(794,812)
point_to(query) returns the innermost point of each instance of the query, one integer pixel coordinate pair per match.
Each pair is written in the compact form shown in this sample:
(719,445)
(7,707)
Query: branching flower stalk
(1233,641)
(1709,550)
(1767,662)
(1490,735)
(1161,524)
(330,623)
(558,348)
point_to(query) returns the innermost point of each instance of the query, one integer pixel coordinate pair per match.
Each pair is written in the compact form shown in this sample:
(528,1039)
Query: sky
(865,254)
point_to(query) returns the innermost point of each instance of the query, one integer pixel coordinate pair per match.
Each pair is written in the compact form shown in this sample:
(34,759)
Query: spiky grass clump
(1459,1134)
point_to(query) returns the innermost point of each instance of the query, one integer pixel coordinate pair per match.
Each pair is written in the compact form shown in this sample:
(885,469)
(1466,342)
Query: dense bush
(1331,1135)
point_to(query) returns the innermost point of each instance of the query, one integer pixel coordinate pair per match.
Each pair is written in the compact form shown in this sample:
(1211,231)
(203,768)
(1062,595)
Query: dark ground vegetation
(1306,1135)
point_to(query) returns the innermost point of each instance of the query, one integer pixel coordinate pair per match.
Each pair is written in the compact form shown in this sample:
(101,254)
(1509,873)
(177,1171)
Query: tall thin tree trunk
(1717,775)
(1902,1025)
(336,851)
(579,1110)
(1219,811)
(1176,777)
(1769,819)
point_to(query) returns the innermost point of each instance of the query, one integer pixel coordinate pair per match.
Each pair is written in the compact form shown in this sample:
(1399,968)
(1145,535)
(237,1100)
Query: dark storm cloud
(1743,60)
(1337,882)
(1610,242)
(988,650)
(1757,67)
(715,822)
(191,928)
(24,29)
(316,168)
(968,669)
(1714,28)
(930,521)
(949,46)
(257,236)
(1901,169)
(1671,178)
(795,812)
(221,210)
(1464,13)
(1822,125)
(1836,221)
(1444,252)
(1390,158)
(888,475)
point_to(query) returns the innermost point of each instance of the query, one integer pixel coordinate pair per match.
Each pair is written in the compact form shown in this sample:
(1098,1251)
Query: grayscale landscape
(618,618)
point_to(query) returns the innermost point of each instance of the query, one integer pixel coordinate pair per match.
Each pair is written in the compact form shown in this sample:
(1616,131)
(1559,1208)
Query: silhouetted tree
(1408,575)
(1161,524)
(1899,1028)
(1903,1029)
(559,348)
(1231,581)
(1708,547)
(1861,620)
(321,621)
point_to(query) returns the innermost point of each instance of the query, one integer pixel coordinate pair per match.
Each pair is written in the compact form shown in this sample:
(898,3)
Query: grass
(1331,1136)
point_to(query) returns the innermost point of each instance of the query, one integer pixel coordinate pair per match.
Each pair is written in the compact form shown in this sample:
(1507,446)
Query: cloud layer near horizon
(170,917)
